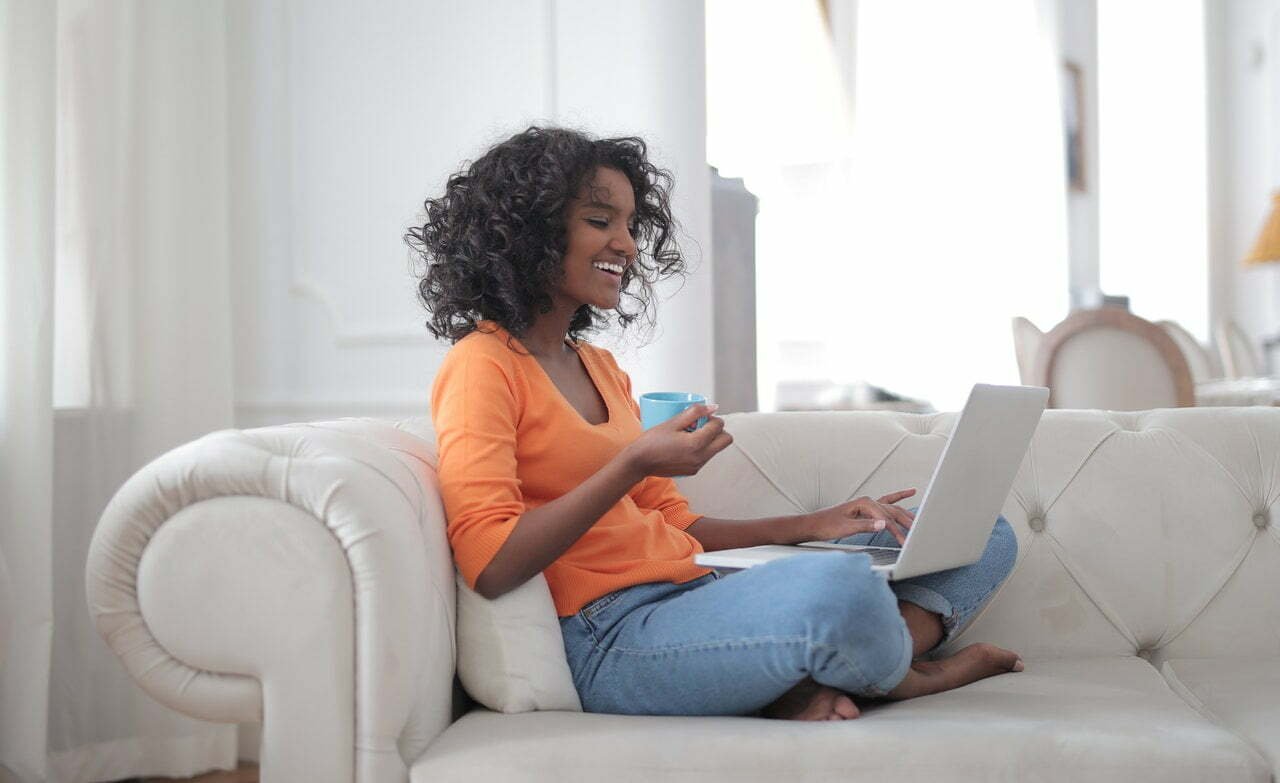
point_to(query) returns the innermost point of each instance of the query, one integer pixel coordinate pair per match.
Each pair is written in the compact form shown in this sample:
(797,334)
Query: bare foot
(810,701)
(968,665)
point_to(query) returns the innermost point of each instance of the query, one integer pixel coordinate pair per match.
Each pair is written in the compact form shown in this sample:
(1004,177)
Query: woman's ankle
(926,628)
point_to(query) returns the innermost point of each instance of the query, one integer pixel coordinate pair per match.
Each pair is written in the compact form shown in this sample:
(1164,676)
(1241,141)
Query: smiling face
(600,242)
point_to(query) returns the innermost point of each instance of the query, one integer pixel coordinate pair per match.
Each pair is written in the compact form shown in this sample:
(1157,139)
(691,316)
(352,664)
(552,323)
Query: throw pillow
(510,650)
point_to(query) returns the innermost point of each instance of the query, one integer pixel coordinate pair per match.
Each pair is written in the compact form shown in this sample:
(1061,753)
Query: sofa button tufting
(1260,520)
(1036,523)
(1144,654)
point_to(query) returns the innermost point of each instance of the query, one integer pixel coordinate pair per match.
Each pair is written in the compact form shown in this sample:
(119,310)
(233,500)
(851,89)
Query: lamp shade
(1267,248)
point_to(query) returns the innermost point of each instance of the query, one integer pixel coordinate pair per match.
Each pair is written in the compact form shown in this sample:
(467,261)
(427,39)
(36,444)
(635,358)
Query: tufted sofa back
(1142,533)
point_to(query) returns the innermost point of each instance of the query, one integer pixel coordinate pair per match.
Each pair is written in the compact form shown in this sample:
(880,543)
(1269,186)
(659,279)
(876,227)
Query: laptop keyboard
(879,555)
(883,556)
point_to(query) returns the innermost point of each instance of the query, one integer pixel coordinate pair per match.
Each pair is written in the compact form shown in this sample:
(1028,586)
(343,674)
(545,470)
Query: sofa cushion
(510,654)
(1066,719)
(1243,695)
(510,650)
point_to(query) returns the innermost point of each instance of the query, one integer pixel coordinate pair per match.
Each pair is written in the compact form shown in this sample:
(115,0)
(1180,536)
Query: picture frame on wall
(1073,125)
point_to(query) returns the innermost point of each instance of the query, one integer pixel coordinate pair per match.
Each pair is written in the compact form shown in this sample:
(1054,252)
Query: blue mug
(657,407)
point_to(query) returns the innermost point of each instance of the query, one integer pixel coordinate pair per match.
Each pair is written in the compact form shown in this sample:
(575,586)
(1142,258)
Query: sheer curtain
(26,411)
(140,357)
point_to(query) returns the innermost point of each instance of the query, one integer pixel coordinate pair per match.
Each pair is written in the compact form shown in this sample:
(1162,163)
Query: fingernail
(712,408)
(879,525)
(1017,665)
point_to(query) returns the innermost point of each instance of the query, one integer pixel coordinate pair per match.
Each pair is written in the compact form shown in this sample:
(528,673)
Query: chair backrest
(1239,359)
(1026,342)
(1199,359)
(1110,359)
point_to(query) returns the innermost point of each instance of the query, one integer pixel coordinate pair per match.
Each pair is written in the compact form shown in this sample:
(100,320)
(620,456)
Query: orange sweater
(509,441)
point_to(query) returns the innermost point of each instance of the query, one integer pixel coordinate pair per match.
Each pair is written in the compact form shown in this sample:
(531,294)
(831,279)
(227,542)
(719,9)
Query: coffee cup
(657,407)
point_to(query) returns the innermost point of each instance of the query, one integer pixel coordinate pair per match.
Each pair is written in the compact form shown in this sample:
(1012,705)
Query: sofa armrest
(298,575)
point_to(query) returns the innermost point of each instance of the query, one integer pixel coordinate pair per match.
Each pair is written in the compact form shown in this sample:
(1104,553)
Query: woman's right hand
(668,449)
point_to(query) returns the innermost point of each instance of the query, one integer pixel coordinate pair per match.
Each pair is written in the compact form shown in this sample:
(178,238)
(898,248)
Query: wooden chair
(1113,360)
(1199,359)
(1026,342)
(1239,356)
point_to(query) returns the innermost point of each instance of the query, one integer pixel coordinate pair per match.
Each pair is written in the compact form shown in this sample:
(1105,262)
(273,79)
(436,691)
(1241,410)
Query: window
(897,253)
(1153,190)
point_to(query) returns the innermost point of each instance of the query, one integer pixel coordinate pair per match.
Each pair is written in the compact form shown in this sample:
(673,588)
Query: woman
(543,467)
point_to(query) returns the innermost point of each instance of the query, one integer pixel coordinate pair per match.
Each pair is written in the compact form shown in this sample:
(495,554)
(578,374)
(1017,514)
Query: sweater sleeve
(475,410)
(656,492)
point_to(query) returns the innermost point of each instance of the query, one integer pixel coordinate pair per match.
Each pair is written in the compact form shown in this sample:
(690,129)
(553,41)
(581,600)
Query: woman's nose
(624,243)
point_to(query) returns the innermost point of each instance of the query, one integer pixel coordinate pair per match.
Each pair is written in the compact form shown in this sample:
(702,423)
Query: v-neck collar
(588,362)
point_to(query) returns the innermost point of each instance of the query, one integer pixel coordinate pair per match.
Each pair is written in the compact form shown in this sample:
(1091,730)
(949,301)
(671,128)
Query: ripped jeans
(732,644)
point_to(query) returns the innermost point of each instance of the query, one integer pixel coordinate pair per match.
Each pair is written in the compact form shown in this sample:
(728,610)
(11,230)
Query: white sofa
(300,575)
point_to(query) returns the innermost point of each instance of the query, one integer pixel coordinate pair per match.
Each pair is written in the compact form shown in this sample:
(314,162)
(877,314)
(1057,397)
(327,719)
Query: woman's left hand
(856,516)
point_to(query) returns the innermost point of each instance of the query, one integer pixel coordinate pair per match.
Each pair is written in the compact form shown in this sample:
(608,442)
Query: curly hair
(494,243)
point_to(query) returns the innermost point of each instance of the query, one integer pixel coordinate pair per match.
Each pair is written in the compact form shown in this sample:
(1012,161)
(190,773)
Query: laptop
(961,503)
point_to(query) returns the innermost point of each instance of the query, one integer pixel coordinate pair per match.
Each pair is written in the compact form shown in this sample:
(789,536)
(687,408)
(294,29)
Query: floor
(246,773)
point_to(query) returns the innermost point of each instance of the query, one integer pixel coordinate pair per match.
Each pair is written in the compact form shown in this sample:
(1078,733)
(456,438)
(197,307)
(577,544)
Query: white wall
(1244,157)
(343,120)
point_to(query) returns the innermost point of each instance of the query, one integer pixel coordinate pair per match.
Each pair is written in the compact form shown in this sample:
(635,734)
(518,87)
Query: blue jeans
(732,644)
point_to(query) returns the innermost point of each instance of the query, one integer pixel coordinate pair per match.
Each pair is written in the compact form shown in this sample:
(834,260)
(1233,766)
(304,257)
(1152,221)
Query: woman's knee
(843,600)
(857,637)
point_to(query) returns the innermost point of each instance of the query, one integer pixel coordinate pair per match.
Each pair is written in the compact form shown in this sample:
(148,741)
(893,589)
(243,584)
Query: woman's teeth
(615,269)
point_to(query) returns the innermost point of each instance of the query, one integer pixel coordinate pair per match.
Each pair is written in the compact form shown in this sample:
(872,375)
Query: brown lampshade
(1267,248)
